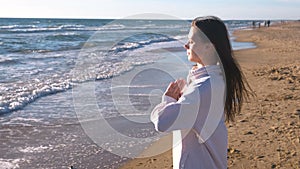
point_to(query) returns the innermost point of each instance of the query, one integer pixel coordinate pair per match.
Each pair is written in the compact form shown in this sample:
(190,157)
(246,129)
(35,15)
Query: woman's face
(195,47)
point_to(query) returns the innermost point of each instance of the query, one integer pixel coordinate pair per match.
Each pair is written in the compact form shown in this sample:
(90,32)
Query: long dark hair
(237,88)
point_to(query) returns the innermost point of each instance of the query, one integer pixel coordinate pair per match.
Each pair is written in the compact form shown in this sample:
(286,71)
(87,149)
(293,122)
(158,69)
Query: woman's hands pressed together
(175,89)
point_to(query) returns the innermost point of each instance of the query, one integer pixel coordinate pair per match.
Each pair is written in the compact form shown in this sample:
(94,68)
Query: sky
(182,9)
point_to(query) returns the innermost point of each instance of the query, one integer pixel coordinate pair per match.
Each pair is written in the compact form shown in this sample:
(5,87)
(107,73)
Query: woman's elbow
(159,124)
(161,128)
(162,125)
(165,119)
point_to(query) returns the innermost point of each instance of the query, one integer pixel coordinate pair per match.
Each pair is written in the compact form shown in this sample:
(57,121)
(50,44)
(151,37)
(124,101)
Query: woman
(196,111)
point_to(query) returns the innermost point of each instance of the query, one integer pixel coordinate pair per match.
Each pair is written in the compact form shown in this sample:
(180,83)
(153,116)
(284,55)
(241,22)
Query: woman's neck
(199,65)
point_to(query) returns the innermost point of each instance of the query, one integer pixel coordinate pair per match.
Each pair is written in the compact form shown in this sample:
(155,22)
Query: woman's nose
(186,46)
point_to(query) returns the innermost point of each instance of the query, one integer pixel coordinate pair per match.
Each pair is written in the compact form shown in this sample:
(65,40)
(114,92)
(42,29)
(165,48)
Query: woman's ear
(209,46)
(210,52)
(207,49)
(210,49)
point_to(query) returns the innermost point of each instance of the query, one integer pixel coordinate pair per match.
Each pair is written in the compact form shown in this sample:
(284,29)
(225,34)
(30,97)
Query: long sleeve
(172,115)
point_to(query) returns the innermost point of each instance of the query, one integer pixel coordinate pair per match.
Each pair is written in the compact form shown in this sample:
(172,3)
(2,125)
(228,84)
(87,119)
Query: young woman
(196,110)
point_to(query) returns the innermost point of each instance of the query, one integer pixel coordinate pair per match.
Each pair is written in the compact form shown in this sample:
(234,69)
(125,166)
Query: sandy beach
(267,132)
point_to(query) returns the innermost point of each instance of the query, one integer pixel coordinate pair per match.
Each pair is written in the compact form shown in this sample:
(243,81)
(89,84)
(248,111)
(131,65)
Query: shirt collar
(204,71)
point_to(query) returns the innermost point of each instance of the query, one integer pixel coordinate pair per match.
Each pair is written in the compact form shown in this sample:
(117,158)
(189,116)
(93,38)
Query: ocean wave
(53,28)
(41,80)
(67,36)
(125,46)
(28,94)
(39,149)
(47,49)
(10,163)
(46,56)
(17,26)
(8,61)
(139,41)
(180,37)
(71,26)
(39,29)
(35,30)
(16,95)
(112,27)
(77,27)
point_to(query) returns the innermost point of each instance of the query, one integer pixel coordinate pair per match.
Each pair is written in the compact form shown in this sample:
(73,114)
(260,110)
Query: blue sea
(44,63)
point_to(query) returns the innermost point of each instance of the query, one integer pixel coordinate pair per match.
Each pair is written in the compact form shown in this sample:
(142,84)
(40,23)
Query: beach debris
(297,112)
(260,156)
(249,132)
(294,153)
(290,73)
(288,97)
(291,123)
(274,128)
(233,150)
(244,120)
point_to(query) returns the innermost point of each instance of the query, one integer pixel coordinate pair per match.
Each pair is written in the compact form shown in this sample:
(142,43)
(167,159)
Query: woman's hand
(174,89)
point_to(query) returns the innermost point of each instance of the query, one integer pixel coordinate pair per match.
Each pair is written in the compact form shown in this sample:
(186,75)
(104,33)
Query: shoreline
(264,134)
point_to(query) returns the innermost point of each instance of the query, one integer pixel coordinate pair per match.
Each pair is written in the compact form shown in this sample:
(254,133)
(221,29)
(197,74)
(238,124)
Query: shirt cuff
(168,99)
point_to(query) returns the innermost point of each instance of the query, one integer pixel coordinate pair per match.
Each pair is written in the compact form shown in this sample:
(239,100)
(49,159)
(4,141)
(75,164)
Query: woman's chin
(192,59)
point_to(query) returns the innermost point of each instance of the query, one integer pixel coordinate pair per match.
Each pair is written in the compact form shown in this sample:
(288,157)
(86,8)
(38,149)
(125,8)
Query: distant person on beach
(268,23)
(253,24)
(196,110)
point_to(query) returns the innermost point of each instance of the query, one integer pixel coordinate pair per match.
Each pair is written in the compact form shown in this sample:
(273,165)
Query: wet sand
(267,132)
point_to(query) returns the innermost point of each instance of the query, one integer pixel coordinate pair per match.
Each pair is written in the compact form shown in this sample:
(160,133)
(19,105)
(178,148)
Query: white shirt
(196,120)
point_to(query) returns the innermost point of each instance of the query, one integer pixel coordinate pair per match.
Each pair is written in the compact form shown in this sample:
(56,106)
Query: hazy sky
(184,9)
